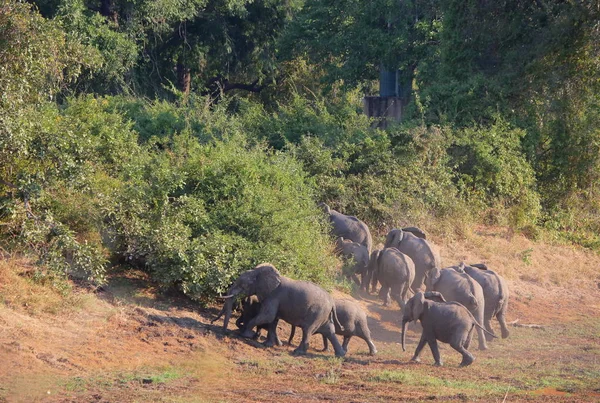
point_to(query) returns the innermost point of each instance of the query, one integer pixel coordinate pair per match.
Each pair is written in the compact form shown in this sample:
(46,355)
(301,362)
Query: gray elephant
(460,287)
(448,322)
(395,271)
(349,227)
(418,249)
(354,322)
(360,254)
(300,303)
(495,293)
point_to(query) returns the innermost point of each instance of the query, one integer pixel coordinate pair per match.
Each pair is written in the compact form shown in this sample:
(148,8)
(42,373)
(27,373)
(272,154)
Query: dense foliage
(194,139)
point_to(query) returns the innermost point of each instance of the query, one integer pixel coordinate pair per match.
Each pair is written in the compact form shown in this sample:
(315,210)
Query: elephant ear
(394,237)
(481,266)
(373,259)
(435,296)
(325,207)
(460,268)
(267,280)
(432,277)
(418,305)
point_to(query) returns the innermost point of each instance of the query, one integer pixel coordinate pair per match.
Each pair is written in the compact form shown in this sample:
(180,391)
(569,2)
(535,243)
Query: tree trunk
(107,11)
(184,77)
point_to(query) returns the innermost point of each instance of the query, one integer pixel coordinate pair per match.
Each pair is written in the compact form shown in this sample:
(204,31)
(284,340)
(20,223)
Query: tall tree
(353,40)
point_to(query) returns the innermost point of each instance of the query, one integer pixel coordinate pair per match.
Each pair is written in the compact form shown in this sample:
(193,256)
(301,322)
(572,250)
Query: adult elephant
(418,249)
(300,303)
(349,227)
(395,271)
(455,285)
(359,254)
(495,293)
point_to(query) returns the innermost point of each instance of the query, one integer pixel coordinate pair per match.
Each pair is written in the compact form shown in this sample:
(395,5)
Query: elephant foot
(483,347)
(467,361)
(325,350)
(268,343)
(416,360)
(299,351)
(438,364)
(340,353)
(249,334)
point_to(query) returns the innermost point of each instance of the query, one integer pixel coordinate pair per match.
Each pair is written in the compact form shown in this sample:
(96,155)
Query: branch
(516,324)
(227,86)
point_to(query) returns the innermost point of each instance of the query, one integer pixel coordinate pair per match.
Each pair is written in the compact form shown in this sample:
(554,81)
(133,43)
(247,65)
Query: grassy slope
(128,343)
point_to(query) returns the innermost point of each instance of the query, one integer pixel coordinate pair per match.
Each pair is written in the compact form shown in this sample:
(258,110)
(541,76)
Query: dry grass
(25,290)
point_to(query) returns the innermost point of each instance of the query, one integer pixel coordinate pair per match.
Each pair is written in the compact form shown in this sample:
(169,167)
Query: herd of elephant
(457,300)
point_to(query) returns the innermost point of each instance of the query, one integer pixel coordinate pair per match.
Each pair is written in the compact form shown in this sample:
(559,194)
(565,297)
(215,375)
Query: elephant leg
(325,343)
(272,338)
(328,330)
(419,348)
(374,280)
(307,331)
(433,345)
(345,343)
(502,320)
(384,294)
(468,340)
(397,296)
(467,356)
(481,338)
(355,279)
(364,333)
(292,334)
(487,323)
(266,315)
(364,281)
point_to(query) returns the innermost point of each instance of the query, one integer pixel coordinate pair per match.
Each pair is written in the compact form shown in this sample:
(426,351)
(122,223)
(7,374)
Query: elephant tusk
(225,296)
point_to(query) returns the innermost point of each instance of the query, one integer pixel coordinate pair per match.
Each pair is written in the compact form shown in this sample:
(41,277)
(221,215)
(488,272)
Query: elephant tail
(334,318)
(475,323)
(483,328)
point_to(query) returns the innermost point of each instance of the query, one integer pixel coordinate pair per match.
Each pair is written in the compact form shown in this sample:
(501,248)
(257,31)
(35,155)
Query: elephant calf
(250,309)
(395,271)
(354,322)
(448,322)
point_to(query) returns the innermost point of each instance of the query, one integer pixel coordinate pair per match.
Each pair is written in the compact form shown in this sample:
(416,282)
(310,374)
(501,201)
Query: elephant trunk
(404,323)
(228,306)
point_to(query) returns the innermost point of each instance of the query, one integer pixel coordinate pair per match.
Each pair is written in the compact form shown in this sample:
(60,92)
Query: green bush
(204,213)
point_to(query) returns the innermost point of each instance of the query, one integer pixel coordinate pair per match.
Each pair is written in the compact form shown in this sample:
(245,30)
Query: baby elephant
(448,322)
(250,308)
(354,322)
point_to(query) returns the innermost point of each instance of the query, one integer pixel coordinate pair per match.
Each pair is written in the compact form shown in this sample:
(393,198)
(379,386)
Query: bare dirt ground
(129,343)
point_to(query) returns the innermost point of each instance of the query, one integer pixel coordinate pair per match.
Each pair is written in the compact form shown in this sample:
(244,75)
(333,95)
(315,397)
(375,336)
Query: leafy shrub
(492,171)
(204,213)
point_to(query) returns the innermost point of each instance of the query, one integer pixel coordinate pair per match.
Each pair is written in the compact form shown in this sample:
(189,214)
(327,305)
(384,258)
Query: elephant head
(460,268)
(260,281)
(325,207)
(372,267)
(432,277)
(394,237)
(415,307)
